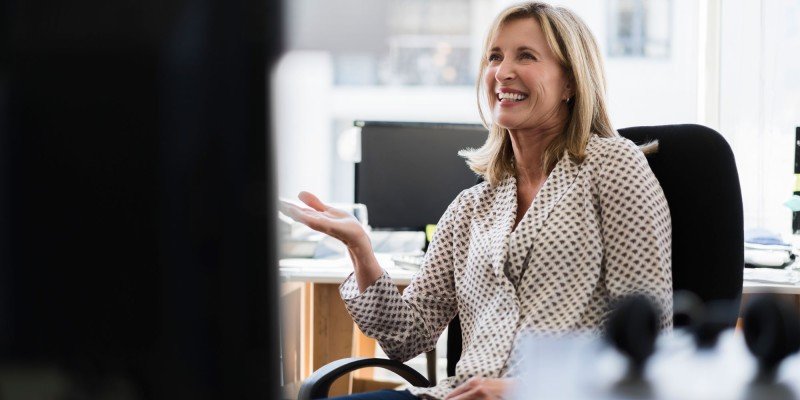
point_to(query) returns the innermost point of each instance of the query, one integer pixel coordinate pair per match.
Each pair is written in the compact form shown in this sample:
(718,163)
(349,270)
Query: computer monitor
(137,254)
(410,172)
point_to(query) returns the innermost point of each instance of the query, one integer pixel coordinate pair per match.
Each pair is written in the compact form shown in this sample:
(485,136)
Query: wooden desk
(316,326)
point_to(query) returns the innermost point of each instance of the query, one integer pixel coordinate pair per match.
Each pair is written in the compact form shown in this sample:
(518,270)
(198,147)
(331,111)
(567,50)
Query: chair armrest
(317,385)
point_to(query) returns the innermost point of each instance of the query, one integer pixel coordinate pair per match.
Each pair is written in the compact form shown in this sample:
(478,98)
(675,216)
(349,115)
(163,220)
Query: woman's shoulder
(470,199)
(612,144)
(615,149)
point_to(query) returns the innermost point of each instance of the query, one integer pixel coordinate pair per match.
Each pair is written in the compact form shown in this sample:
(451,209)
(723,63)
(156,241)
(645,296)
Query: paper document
(772,275)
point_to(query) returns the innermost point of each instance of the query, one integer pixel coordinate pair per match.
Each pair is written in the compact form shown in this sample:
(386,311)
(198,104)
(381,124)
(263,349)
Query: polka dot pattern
(596,231)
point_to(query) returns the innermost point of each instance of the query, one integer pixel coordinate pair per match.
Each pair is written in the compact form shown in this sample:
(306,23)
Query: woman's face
(526,85)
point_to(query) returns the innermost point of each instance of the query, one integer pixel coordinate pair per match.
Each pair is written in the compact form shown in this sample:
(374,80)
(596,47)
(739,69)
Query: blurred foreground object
(136,251)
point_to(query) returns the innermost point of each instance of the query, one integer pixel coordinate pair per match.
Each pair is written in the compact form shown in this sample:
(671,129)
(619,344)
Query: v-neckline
(514,224)
(535,195)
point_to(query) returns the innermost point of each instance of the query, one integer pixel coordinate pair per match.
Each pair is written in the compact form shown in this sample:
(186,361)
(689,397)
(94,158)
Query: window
(639,28)
(423,43)
(759,106)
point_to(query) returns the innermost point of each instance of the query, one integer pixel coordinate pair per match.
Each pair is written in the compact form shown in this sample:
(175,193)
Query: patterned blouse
(595,232)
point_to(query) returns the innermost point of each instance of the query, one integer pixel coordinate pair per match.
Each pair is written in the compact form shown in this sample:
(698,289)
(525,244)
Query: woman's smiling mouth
(505,97)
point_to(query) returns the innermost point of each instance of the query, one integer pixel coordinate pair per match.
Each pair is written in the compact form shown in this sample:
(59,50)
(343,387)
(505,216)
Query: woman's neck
(529,146)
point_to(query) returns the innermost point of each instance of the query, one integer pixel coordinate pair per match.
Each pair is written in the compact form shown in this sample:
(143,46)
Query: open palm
(328,220)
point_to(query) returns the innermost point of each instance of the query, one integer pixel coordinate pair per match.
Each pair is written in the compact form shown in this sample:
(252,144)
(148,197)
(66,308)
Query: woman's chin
(507,123)
(509,119)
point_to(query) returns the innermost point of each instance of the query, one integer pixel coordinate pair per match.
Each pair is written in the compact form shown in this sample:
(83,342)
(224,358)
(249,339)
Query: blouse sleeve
(637,230)
(409,324)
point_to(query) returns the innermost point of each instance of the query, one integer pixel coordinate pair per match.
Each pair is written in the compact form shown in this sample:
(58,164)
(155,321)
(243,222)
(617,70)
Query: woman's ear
(569,89)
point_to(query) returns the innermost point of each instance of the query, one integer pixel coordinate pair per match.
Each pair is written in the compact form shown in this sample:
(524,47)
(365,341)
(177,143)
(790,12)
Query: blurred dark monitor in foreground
(410,172)
(135,183)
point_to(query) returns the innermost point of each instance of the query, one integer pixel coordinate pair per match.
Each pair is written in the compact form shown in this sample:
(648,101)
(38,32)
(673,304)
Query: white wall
(302,82)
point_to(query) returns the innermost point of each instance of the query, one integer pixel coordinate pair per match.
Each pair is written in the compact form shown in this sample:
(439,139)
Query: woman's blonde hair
(576,50)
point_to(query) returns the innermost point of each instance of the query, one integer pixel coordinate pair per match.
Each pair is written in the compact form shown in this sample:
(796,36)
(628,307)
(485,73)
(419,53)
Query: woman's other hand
(482,388)
(328,220)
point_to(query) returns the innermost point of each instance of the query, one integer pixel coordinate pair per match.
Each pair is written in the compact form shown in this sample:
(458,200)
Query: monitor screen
(410,172)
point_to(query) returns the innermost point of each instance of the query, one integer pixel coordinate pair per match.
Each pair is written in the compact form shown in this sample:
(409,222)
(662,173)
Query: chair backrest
(697,171)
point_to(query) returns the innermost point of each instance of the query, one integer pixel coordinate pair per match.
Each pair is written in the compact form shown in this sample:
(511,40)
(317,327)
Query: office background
(732,65)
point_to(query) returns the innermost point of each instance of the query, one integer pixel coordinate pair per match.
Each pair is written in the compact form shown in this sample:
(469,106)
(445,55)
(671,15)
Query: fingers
(472,394)
(322,218)
(480,388)
(465,387)
(312,201)
(292,211)
(288,209)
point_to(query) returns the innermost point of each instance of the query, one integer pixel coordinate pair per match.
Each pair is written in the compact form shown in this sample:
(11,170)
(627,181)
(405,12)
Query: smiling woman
(569,218)
(556,57)
(522,70)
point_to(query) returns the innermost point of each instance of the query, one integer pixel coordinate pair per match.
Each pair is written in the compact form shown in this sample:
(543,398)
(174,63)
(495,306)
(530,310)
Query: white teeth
(511,96)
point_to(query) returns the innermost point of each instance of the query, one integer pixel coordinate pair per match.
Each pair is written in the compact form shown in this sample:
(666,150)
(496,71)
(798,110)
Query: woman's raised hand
(328,220)
(340,225)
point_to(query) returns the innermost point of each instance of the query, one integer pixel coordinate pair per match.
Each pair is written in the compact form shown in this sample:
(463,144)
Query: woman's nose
(505,72)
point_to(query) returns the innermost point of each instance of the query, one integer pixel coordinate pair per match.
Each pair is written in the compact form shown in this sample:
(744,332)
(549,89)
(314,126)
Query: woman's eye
(493,57)
(528,56)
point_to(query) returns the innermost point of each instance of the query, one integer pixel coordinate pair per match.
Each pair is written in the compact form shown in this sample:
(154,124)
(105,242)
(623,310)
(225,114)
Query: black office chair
(697,171)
